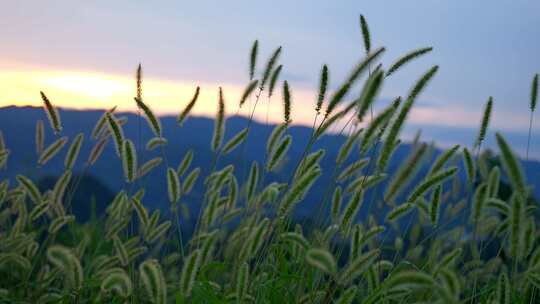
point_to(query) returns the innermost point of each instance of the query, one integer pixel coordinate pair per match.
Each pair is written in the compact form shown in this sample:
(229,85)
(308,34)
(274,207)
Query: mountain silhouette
(105,177)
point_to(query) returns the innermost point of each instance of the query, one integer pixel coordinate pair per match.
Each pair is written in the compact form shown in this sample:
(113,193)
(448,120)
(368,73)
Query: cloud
(90,90)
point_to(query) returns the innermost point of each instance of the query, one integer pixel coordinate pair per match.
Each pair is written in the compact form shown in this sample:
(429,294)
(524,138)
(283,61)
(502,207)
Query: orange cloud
(90,90)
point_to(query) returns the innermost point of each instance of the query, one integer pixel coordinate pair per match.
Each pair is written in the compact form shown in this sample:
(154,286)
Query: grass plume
(52,114)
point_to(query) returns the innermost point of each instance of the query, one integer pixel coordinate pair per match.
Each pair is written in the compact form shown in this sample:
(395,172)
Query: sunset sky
(83,54)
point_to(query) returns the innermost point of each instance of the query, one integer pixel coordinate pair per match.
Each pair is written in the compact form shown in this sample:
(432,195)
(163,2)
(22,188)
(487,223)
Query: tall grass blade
(116,130)
(351,210)
(323,86)
(405,173)
(396,127)
(286,103)
(279,153)
(40,137)
(149,166)
(129,160)
(185,163)
(378,123)
(503,289)
(429,182)
(189,272)
(512,166)
(358,266)
(185,113)
(532,107)
(73,151)
(96,151)
(64,259)
(342,91)
(173,186)
(443,159)
(234,142)
(153,121)
(273,80)
(322,259)
(253,58)
(366,36)
(52,114)
(30,188)
(369,92)
(52,150)
(247,92)
(406,59)
(298,191)
(485,123)
(270,67)
(219,123)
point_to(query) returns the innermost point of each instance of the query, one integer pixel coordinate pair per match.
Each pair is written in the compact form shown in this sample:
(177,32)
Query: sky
(83,54)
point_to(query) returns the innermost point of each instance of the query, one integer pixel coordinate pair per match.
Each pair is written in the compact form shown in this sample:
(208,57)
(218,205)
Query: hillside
(18,127)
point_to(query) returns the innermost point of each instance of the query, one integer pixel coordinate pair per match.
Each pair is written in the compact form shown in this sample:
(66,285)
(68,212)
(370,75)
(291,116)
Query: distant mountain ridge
(18,127)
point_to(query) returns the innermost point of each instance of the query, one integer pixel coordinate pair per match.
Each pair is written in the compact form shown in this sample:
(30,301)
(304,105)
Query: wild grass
(432,241)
